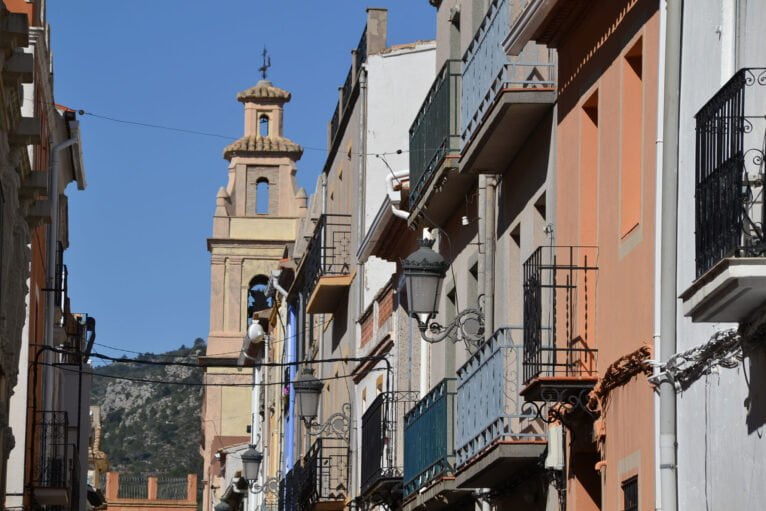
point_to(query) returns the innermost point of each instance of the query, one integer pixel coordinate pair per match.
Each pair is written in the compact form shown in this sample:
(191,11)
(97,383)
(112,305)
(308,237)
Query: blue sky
(138,260)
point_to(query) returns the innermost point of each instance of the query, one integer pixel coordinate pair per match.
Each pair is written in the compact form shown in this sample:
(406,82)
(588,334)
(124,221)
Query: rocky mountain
(151,428)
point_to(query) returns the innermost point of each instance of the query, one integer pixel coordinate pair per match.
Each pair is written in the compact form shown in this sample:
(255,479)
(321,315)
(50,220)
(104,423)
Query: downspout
(362,219)
(490,195)
(658,246)
(50,263)
(669,256)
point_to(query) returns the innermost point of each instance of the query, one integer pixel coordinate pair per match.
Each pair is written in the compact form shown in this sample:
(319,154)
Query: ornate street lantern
(307,390)
(251,464)
(424,272)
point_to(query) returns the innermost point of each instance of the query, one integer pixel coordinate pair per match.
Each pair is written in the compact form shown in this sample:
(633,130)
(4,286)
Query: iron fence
(133,486)
(429,437)
(559,310)
(172,488)
(489,407)
(382,430)
(329,250)
(730,171)
(435,132)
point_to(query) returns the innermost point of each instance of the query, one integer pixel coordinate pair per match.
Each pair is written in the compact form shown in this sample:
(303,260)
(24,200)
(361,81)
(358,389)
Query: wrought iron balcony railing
(559,311)
(730,171)
(489,405)
(57,461)
(487,69)
(329,250)
(382,436)
(429,437)
(435,133)
(326,470)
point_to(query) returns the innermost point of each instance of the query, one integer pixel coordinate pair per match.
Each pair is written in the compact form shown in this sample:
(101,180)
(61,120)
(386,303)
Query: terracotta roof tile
(257,144)
(263,90)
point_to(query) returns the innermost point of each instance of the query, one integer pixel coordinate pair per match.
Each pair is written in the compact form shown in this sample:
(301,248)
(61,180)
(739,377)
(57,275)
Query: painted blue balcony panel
(488,70)
(429,437)
(489,407)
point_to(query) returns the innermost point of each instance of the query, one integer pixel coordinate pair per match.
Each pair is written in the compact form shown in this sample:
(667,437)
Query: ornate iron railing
(435,133)
(487,69)
(57,459)
(429,437)
(489,407)
(329,250)
(326,469)
(730,171)
(559,310)
(382,430)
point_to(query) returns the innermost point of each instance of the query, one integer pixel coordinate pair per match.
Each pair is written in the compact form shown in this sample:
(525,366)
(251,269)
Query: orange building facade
(605,201)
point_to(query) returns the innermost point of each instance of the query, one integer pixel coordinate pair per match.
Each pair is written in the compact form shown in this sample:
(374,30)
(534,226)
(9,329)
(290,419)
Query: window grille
(630,494)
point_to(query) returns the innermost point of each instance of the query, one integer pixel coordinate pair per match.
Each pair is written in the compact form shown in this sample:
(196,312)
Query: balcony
(501,94)
(327,265)
(320,480)
(435,139)
(382,450)
(544,21)
(429,454)
(729,210)
(559,309)
(55,480)
(496,435)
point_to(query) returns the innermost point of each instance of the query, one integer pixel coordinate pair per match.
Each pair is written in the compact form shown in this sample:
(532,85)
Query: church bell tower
(256,216)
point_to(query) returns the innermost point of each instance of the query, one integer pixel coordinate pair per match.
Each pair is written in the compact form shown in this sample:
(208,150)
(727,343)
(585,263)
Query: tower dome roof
(264,89)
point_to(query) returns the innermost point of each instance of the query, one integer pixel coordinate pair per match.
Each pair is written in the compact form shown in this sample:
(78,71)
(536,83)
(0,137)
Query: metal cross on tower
(266,63)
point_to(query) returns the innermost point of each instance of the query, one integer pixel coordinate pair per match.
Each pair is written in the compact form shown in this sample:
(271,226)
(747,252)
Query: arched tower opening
(262,196)
(257,300)
(263,126)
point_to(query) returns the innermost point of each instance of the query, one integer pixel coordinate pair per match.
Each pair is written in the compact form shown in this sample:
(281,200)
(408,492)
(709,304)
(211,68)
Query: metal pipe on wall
(669,249)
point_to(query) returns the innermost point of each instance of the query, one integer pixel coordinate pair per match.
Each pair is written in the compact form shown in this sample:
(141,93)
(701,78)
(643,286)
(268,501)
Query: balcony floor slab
(507,124)
(327,294)
(729,292)
(499,462)
(440,494)
(449,187)
(50,496)
(561,386)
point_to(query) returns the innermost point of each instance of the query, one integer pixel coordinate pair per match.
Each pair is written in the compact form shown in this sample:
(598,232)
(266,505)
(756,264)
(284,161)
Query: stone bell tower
(256,215)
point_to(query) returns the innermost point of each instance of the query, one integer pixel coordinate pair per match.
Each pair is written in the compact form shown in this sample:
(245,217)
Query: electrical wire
(189,384)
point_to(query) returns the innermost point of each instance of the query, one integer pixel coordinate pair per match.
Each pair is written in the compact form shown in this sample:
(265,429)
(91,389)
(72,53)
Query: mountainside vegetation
(151,428)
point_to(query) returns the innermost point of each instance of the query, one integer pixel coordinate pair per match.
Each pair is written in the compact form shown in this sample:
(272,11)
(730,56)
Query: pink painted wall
(605,197)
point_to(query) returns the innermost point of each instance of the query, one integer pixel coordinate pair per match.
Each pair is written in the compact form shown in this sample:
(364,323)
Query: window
(263,126)
(630,494)
(632,130)
(262,196)
(589,170)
